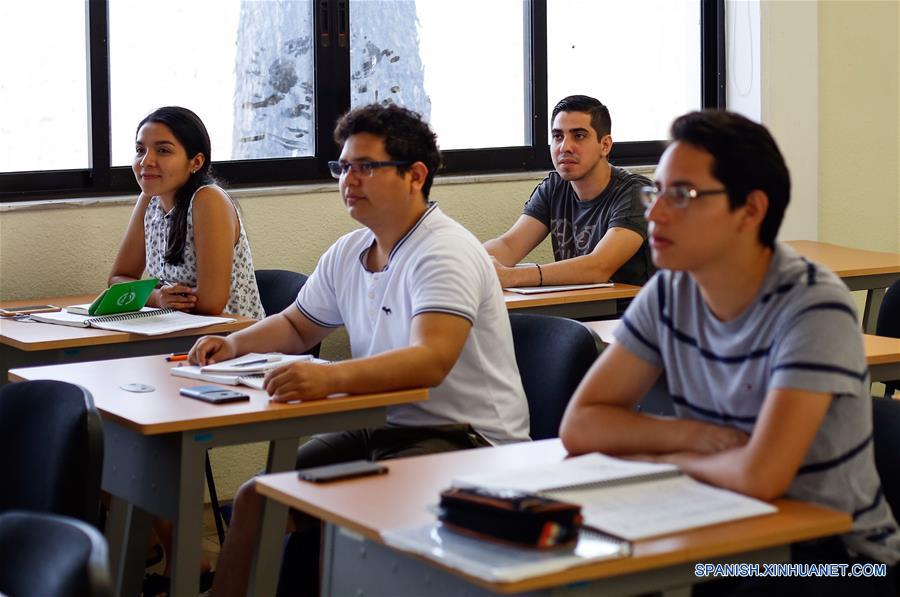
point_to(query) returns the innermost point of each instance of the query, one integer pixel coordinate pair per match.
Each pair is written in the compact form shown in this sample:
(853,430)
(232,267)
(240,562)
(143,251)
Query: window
(410,53)
(269,79)
(44,118)
(655,78)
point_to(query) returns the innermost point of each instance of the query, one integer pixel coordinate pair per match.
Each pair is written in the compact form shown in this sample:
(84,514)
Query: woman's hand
(175,296)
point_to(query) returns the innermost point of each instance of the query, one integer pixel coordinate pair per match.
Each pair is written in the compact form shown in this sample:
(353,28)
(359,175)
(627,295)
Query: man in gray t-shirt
(761,350)
(590,209)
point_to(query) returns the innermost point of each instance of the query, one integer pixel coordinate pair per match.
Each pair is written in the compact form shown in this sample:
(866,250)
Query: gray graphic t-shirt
(577,226)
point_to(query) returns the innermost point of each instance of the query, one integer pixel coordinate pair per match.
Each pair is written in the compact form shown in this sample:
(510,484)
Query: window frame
(332,98)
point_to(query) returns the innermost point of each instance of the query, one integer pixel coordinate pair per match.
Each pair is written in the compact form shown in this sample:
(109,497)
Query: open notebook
(147,321)
(631,500)
(247,370)
(558,288)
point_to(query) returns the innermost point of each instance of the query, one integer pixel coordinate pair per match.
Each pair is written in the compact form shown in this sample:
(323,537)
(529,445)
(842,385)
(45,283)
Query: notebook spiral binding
(129,316)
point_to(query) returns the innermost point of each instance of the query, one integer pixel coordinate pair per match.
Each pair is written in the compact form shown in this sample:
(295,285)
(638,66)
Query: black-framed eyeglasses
(678,196)
(363,168)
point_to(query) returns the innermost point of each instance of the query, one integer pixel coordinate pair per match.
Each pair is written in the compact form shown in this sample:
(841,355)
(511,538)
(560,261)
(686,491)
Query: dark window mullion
(537,72)
(332,76)
(98,93)
(712,53)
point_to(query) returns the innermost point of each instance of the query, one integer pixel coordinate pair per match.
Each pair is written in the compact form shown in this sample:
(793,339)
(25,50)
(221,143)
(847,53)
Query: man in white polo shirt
(422,307)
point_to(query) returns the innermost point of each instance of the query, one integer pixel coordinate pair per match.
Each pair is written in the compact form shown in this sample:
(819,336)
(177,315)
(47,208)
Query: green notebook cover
(123,297)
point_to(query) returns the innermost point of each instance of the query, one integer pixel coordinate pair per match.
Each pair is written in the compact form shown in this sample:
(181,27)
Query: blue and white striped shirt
(801,332)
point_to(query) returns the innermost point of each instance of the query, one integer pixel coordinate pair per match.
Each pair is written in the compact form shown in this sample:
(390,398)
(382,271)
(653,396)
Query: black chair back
(553,354)
(44,554)
(52,439)
(888,324)
(278,288)
(886,429)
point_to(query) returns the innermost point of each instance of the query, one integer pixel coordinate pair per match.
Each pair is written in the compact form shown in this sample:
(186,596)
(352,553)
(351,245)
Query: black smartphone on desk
(344,470)
(214,394)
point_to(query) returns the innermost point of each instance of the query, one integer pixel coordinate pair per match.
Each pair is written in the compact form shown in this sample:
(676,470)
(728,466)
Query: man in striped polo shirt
(761,350)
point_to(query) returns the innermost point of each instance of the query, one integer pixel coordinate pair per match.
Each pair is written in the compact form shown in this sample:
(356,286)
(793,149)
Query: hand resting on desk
(211,349)
(174,296)
(292,382)
(299,381)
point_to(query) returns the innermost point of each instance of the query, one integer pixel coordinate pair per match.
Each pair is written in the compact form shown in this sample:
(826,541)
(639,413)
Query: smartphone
(28,310)
(344,470)
(214,394)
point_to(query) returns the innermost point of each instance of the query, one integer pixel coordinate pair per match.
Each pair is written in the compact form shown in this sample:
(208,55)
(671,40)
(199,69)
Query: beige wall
(859,115)
(68,249)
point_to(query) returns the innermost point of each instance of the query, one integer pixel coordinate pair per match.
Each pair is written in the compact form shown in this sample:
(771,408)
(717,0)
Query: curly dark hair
(406,136)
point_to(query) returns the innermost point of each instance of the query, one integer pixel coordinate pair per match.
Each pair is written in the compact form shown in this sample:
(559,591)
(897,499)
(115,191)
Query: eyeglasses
(679,197)
(341,168)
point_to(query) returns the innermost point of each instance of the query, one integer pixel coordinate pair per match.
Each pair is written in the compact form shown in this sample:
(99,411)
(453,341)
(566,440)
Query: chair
(278,288)
(45,554)
(885,427)
(553,355)
(52,438)
(888,324)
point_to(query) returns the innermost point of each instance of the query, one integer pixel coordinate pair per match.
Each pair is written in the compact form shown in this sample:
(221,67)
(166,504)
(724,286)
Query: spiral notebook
(147,321)
(627,499)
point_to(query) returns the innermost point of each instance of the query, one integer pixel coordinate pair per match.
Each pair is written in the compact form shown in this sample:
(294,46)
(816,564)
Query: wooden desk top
(165,411)
(588,295)
(400,499)
(847,262)
(879,349)
(31,336)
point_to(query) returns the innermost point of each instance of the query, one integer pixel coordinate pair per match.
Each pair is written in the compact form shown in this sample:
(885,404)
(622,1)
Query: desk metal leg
(188,523)
(127,531)
(264,570)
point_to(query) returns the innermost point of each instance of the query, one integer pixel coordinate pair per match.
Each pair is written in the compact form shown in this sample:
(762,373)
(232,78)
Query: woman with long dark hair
(185,229)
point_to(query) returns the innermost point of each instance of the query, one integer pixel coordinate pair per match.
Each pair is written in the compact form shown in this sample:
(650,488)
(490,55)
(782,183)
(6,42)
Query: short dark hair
(600,120)
(745,158)
(406,136)
(190,131)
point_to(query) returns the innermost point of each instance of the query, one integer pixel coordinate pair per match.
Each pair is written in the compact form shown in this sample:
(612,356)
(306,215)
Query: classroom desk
(155,449)
(356,562)
(882,354)
(591,302)
(26,344)
(872,271)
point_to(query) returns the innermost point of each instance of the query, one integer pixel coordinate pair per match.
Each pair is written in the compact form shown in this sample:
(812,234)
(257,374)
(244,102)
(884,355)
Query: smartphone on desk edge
(344,470)
(214,394)
(28,310)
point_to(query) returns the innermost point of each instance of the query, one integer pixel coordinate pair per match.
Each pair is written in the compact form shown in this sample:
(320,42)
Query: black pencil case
(510,516)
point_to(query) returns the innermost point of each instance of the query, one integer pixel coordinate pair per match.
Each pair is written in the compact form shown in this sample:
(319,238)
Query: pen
(258,361)
(177,356)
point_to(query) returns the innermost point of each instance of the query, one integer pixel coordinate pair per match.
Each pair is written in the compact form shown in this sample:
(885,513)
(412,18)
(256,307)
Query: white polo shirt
(438,266)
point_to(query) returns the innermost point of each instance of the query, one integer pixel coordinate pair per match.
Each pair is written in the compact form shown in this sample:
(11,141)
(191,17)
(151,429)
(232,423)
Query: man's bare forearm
(622,431)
